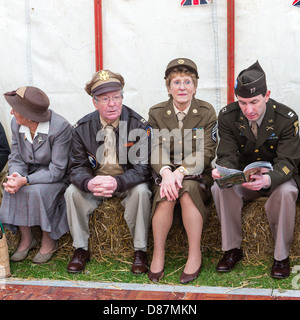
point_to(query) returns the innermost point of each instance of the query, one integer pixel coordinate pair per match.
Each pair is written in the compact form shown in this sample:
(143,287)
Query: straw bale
(110,236)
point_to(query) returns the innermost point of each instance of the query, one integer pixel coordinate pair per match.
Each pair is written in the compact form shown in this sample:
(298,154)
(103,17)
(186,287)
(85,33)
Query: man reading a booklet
(258,128)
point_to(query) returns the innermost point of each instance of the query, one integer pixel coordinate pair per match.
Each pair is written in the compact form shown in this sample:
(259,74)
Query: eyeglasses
(106,100)
(186,83)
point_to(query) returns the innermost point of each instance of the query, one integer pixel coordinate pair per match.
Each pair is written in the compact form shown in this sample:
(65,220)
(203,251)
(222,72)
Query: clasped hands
(171,183)
(102,186)
(258,181)
(14,183)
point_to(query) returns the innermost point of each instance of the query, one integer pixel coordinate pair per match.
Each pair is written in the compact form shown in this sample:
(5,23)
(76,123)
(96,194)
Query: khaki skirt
(201,199)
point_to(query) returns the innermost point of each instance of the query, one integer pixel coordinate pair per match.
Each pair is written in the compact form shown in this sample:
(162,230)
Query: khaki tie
(254,128)
(180,117)
(109,144)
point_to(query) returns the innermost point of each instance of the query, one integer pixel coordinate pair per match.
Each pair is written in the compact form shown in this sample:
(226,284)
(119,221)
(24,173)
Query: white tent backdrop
(51,45)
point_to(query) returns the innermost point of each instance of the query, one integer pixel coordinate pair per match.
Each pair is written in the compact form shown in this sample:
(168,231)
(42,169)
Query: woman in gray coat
(34,191)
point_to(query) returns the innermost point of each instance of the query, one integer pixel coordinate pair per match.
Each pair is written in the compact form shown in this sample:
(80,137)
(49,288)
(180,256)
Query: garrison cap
(251,82)
(181,62)
(104,81)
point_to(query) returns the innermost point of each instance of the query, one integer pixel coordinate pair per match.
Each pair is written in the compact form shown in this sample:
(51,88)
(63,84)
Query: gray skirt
(36,205)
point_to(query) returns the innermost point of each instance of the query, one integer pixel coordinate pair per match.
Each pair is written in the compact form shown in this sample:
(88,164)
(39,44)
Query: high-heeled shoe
(186,278)
(155,276)
(21,255)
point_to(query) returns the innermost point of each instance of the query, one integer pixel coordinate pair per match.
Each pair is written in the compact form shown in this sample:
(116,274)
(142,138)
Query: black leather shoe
(140,262)
(229,260)
(281,269)
(78,261)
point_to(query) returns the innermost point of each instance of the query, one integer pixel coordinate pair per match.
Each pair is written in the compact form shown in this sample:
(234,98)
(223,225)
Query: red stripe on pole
(230,50)
(98,35)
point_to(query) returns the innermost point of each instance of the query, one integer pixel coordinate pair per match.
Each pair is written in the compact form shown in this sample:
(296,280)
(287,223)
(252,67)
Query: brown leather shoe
(186,278)
(281,269)
(78,261)
(140,262)
(229,260)
(155,276)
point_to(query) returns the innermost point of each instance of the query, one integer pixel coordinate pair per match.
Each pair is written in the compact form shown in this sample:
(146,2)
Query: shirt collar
(185,111)
(43,127)
(114,124)
(259,120)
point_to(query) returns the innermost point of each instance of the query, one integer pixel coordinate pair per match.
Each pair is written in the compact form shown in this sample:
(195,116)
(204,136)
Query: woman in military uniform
(184,142)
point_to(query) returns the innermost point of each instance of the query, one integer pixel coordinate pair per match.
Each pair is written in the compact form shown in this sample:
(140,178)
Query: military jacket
(277,141)
(197,139)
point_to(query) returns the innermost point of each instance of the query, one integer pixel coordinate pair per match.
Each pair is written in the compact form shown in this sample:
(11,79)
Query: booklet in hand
(230,177)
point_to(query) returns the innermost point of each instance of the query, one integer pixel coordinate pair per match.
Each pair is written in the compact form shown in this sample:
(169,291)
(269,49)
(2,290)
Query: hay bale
(110,235)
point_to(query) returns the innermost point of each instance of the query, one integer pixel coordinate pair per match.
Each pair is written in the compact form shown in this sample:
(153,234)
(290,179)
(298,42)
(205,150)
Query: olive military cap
(104,81)
(182,62)
(251,82)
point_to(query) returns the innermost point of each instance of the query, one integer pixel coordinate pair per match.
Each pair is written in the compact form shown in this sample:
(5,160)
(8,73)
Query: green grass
(118,270)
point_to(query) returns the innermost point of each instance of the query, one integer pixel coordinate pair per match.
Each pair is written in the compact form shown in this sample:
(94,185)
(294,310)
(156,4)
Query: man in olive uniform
(256,128)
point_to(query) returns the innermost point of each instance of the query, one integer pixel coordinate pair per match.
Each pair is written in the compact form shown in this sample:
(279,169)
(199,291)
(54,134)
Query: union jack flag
(194,2)
(296,3)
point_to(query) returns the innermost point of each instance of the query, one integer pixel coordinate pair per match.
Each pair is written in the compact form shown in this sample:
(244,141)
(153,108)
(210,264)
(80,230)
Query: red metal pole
(230,50)
(98,35)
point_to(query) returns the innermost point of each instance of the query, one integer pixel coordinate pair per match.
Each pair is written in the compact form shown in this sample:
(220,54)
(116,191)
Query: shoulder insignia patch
(214,132)
(92,160)
(296,125)
(149,131)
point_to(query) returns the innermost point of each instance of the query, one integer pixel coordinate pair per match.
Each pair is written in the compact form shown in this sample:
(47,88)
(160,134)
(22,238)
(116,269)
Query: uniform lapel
(268,127)
(169,118)
(28,145)
(193,117)
(38,141)
(242,125)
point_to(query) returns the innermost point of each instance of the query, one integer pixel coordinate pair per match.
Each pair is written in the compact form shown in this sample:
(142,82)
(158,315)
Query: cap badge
(180,61)
(103,75)
(252,90)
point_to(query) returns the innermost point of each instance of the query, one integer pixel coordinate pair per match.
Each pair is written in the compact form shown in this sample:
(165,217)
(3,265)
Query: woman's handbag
(4,256)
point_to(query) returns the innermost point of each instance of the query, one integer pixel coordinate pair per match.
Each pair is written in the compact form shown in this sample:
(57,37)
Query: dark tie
(180,117)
